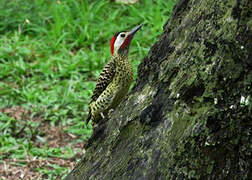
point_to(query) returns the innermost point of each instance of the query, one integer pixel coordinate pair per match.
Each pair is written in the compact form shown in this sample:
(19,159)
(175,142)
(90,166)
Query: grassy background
(51,53)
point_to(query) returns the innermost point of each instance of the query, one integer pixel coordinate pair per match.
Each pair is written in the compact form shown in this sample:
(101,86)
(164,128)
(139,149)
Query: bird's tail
(89,117)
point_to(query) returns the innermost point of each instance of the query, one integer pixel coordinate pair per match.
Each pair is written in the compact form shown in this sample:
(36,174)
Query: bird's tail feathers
(89,117)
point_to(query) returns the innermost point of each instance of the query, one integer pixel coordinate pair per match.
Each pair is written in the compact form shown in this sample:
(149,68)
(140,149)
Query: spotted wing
(105,78)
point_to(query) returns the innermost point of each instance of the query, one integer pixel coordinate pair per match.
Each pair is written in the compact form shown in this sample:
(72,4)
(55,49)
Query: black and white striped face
(121,40)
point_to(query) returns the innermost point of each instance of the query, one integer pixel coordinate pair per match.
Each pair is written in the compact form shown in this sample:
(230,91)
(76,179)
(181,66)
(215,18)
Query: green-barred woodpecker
(115,78)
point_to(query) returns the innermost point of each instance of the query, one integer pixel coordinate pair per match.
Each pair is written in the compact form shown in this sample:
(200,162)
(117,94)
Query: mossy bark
(189,114)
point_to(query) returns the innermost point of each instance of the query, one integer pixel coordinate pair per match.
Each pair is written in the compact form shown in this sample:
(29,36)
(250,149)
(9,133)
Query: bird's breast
(124,74)
(122,82)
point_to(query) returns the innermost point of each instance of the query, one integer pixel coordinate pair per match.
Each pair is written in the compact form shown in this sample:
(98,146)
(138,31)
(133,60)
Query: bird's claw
(111,111)
(102,115)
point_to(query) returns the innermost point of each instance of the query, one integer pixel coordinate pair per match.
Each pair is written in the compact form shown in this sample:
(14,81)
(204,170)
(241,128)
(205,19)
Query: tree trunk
(189,114)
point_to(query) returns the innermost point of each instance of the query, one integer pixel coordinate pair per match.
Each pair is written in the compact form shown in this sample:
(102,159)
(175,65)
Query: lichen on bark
(189,114)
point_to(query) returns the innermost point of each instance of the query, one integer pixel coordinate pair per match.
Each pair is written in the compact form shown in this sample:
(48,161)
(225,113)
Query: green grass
(50,55)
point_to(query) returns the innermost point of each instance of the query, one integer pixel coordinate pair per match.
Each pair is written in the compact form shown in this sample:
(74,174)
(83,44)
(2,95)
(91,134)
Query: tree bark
(189,114)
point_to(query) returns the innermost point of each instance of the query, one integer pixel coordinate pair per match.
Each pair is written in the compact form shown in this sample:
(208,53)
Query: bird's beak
(134,30)
(130,36)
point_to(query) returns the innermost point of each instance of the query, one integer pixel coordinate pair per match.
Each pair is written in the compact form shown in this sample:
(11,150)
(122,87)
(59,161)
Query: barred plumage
(115,78)
(105,78)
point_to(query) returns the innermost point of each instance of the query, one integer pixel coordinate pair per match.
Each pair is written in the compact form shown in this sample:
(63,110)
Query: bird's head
(121,41)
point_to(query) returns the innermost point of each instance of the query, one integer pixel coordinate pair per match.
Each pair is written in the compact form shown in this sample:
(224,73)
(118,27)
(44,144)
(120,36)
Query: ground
(54,136)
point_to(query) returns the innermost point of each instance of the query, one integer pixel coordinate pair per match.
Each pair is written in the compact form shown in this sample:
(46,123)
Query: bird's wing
(105,78)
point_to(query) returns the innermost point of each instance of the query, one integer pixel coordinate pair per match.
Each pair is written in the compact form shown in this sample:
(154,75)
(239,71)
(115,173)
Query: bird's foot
(102,115)
(111,111)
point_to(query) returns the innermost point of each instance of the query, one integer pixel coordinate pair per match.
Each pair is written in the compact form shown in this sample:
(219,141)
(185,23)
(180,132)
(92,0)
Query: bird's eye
(122,35)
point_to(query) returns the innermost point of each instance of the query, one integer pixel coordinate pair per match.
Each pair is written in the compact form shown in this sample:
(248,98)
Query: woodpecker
(115,78)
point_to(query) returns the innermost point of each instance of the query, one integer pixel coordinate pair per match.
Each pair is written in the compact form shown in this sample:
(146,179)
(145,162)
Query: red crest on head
(112,44)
